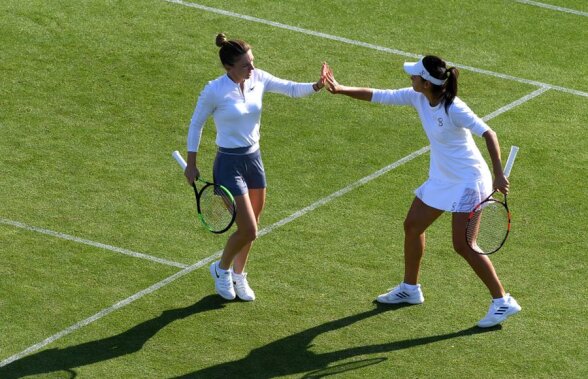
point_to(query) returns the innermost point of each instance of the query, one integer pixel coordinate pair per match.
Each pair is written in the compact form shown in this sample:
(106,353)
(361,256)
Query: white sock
(501,300)
(411,287)
(220,270)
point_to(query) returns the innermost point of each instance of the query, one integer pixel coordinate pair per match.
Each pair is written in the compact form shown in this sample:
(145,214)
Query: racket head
(488,226)
(216,207)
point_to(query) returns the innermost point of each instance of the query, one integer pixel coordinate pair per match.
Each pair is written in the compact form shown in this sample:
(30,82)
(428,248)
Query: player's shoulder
(217,86)
(261,75)
(458,102)
(218,82)
(458,106)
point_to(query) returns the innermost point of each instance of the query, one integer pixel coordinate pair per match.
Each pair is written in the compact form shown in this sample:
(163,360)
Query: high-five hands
(330,82)
(324,71)
(321,82)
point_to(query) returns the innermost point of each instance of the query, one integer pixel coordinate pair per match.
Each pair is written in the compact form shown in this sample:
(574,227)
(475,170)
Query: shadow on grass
(290,355)
(286,356)
(128,342)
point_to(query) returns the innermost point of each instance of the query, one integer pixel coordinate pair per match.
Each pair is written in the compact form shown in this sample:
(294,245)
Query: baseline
(372,46)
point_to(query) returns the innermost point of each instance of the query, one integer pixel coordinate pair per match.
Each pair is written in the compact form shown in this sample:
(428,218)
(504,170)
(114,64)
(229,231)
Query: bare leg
(480,263)
(420,216)
(245,234)
(257,197)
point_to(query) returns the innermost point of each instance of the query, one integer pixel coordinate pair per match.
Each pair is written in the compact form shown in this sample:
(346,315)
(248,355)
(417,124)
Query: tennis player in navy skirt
(234,100)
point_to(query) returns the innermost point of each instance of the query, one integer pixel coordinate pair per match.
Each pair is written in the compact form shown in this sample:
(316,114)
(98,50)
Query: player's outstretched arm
(334,87)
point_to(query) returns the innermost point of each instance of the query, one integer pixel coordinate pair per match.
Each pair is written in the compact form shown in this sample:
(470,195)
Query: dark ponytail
(230,50)
(450,92)
(439,70)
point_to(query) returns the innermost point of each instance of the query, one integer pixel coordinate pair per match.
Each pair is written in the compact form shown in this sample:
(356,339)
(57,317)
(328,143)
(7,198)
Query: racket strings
(488,227)
(216,208)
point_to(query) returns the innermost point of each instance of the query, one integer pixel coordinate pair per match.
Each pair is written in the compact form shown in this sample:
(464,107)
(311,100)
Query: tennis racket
(215,204)
(488,224)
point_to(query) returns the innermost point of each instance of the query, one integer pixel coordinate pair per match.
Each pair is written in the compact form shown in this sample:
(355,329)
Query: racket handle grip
(178,157)
(510,161)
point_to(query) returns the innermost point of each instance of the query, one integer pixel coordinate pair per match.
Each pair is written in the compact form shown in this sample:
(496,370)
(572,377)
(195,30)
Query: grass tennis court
(104,268)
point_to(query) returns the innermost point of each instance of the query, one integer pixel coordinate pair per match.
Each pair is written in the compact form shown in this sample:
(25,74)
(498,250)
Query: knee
(248,233)
(460,250)
(461,247)
(412,227)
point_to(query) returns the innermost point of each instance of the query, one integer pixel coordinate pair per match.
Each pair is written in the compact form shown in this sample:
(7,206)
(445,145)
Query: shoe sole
(401,301)
(245,299)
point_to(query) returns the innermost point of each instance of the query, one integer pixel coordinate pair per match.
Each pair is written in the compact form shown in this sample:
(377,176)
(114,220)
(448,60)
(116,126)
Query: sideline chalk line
(91,243)
(553,7)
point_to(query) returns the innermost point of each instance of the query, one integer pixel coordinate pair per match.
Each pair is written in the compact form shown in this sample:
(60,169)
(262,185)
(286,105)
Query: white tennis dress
(459,177)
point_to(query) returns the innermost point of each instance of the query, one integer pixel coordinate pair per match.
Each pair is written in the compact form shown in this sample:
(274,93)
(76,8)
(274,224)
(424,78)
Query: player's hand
(324,70)
(191,173)
(332,85)
(321,82)
(501,183)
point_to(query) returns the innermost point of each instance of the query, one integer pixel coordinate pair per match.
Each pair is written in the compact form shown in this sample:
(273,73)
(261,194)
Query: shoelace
(225,281)
(242,283)
(399,288)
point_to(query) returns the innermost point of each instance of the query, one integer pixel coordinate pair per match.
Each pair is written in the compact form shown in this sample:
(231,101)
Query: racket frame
(507,169)
(228,196)
(198,194)
(471,218)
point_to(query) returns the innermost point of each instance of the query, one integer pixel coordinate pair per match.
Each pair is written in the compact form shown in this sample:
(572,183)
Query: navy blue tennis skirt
(239,169)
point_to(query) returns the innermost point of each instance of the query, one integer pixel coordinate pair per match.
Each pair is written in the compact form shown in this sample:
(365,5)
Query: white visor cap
(417,68)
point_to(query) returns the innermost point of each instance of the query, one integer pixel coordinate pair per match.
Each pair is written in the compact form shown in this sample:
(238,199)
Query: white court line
(91,243)
(552,7)
(262,232)
(343,191)
(518,102)
(372,46)
(107,311)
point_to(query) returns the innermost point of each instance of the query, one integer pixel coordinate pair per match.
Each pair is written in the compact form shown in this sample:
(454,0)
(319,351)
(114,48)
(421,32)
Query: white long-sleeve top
(455,157)
(236,113)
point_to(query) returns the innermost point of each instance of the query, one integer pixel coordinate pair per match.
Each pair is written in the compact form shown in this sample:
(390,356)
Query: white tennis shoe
(223,283)
(244,292)
(401,294)
(499,311)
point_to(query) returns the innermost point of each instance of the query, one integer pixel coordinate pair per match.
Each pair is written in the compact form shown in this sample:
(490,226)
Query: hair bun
(221,39)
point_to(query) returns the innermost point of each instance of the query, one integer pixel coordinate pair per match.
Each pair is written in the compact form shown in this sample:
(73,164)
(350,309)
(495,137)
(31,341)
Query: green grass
(94,97)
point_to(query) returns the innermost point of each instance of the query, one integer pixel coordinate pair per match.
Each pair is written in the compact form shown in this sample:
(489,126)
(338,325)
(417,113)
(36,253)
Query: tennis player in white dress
(459,177)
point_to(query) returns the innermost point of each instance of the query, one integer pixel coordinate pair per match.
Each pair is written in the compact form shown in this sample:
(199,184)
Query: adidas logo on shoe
(401,294)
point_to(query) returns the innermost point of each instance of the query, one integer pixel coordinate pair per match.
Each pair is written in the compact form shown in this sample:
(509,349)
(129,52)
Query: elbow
(489,134)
